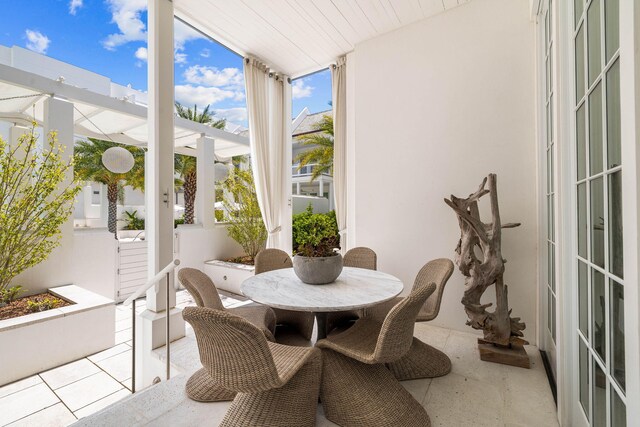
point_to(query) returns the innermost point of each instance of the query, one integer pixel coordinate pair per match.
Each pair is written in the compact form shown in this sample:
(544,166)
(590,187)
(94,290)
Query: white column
(320,187)
(298,188)
(159,176)
(58,118)
(159,194)
(206,193)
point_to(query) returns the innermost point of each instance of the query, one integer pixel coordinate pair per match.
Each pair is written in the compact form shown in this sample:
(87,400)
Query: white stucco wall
(435,107)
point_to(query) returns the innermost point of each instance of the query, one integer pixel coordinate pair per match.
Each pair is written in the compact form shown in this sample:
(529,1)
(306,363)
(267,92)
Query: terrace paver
(118,366)
(123,336)
(69,373)
(54,416)
(19,385)
(26,402)
(120,348)
(88,390)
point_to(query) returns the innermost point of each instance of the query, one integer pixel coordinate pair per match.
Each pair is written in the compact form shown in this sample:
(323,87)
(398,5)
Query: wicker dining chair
(200,387)
(422,360)
(357,389)
(275,259)
(359,257)
(277,385)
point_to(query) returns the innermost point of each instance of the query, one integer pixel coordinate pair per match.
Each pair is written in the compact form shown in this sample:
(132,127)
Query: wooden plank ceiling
(302,36)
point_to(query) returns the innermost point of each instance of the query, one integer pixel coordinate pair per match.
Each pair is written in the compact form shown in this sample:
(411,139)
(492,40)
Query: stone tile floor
(62,395)
(475,393)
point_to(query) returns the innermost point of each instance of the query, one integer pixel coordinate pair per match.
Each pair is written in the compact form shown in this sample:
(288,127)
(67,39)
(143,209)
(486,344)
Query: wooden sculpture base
(515,355)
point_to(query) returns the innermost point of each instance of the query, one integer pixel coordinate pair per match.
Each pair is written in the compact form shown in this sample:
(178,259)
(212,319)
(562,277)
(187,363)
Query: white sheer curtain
(267,133)
(339,94)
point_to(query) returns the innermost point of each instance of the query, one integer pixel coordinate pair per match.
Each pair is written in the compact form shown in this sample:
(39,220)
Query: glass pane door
(598,217)
(549,144)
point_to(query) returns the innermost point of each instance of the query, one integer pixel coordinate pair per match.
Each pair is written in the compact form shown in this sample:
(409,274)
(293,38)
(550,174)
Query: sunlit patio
(450,239)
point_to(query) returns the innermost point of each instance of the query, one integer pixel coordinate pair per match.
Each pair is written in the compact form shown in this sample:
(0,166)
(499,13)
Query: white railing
(132,300)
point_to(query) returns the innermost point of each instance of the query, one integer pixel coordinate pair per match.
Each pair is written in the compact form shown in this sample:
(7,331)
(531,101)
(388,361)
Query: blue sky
(108,37)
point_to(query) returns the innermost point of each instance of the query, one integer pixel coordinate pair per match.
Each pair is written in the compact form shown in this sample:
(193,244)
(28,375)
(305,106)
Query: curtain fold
(339,99)
(267,128)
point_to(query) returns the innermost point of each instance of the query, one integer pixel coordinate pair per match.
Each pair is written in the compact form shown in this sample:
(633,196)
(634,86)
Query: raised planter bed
(228,276)
(39,341)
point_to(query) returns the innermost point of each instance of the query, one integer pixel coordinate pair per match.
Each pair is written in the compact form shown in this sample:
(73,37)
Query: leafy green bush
(35,201)
(315,235)
(10,294)
(245,220)
(133,222)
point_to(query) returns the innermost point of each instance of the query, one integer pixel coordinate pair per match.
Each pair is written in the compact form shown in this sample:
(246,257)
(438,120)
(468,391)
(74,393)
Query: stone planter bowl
(317,270)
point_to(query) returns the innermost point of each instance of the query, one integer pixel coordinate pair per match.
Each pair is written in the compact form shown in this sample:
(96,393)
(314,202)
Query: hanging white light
(220,171)
(118,160)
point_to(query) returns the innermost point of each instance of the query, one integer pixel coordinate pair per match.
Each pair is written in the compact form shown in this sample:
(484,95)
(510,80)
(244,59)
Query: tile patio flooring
(475,393)
(62,395)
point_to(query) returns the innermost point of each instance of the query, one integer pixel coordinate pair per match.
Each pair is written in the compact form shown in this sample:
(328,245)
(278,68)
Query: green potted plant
(315,260)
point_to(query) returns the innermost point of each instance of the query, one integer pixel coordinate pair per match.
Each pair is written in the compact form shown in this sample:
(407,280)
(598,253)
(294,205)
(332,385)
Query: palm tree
(185,166)
(88,167)
(205,117)
(320,152)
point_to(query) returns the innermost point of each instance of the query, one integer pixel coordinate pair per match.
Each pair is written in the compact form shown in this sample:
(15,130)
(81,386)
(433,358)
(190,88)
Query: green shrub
(10,294)
(315,235)
(133,222)
(245,220)
(35,201)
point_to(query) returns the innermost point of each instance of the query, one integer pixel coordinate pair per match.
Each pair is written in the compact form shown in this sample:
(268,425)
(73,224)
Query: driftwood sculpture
(503,338)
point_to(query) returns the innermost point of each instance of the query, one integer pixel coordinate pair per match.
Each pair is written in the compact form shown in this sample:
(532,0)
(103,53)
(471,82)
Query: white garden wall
(433,108)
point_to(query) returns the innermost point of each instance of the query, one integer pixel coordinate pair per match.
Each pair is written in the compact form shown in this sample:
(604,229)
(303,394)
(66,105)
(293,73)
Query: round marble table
(355,288)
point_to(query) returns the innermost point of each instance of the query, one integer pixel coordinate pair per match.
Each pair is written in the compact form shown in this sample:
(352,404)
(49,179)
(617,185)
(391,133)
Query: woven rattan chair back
(361,257)
(272,259)
(234,352)
(201,288)
(396,333)
(437,271)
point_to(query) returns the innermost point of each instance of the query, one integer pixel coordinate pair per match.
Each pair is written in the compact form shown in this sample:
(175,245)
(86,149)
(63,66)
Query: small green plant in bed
(315,235)
(44,304)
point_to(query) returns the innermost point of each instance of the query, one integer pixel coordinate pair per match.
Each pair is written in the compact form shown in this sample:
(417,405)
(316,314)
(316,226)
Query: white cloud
(126,14)
(36,41)
(183,33)
(201,96)
(212,76)
(205,53)
(300,90)
(142,53)
(74,5)
(179,57)
(233,115)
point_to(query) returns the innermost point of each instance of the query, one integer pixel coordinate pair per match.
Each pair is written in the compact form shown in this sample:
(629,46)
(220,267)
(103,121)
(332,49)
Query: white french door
(598,262)
(548,156)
